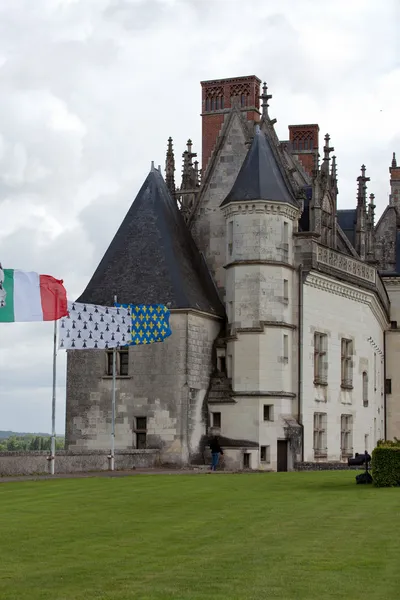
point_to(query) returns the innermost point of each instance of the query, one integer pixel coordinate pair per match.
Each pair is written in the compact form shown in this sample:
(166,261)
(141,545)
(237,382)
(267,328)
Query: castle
(284,309)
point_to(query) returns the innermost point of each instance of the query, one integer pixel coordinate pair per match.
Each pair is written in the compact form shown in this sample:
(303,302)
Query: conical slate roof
(260,177)
(153,258)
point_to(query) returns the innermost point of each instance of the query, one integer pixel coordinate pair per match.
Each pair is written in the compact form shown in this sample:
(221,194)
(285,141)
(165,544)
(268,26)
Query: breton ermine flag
(27,296)
(91,326)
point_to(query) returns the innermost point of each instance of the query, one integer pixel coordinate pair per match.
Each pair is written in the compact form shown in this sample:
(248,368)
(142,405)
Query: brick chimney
(304,145)
(217,96)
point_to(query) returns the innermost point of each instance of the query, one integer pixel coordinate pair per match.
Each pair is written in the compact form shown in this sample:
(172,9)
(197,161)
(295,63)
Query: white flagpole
(53,404)
(114,373)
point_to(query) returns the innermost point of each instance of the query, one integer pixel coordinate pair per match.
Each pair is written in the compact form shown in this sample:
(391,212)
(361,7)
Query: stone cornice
(258,329)
(261,207)
(319,281)
(267,394)
(391,281)
(259,261)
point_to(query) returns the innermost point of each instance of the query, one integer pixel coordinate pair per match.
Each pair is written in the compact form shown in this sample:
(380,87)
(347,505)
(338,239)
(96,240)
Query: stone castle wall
(37,463)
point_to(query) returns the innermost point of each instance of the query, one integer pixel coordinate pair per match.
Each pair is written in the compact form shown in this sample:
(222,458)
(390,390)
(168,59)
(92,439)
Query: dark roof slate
(347,222)
(153,258)
(260,177)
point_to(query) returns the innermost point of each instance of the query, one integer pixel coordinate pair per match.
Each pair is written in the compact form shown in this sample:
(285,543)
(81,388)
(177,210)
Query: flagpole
(114,376)
(53,404)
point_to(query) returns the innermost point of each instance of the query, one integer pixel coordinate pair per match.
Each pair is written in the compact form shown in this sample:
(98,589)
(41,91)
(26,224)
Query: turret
(261,215)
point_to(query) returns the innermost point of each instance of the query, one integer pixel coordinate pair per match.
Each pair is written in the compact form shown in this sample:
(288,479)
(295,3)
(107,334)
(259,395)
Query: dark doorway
(282,455)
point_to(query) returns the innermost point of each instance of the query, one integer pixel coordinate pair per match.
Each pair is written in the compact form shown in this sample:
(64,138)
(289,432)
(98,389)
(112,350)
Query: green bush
(386,465)
(389,443)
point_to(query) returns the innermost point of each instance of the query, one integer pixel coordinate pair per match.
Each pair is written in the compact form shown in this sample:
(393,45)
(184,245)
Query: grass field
(290,536)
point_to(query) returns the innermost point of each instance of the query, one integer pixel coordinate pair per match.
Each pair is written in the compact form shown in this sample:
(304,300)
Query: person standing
(216,451)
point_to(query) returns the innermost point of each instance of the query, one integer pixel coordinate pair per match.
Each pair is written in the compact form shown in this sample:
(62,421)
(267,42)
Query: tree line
(29,443)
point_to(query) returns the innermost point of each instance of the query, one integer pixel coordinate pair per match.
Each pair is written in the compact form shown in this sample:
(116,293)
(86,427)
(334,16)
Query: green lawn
(216,537)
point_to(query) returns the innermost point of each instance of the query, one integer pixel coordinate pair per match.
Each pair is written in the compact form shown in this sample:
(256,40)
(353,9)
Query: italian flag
(28,296)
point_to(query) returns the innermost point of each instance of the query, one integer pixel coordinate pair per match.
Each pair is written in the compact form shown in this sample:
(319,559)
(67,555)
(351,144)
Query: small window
(123,362)
(216,419)
(393,324)
(141,423)
(141,433)
(110,363)
(217,103)
(212,103)
(208,107)
(222,102)
(246,460)
(243,100)
(365,388)
(286,290)
(347,363)
(265,454)
(285,232)
(222,364)
(320,358)
(268,412)
(388,386)
(230,237)
(320,434)
(346,437)
(286,348)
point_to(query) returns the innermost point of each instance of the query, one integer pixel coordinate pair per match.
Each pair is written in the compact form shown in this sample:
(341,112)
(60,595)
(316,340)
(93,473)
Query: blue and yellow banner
(150,323)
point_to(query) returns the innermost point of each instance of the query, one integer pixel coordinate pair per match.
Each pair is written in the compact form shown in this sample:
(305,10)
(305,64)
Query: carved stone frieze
(340,262)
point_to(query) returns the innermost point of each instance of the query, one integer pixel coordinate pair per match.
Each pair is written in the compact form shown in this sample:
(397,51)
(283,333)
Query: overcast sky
(90,90)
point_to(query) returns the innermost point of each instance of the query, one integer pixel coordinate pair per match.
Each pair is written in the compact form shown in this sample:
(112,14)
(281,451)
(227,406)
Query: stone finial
(362,187)
(394,161)
(334,168)
(265,97)
(189,173)
(327,150)
(170,168)
(371,209)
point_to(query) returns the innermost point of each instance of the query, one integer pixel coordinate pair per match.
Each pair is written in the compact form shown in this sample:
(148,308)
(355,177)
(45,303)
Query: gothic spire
(170,168)
(362,188)
(334,168)
(394,161)
(371,209)
(327,150)
(265,97)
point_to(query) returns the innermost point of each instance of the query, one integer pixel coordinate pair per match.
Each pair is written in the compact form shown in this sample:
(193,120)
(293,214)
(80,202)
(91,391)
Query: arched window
(365,388)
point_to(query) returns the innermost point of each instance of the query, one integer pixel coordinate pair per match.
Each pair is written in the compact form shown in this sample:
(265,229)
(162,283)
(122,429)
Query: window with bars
(365,388)
(347,363)
(320,438)
(320,358)
(346,435)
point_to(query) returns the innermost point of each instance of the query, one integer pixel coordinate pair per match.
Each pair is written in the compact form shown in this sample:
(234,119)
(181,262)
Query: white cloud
(90,90)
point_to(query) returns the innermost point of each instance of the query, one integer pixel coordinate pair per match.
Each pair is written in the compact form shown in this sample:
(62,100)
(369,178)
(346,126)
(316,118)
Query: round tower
(261,215)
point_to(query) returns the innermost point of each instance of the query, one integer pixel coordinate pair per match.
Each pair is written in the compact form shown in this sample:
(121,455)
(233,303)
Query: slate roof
(260,177)
(153,258)
(347,221)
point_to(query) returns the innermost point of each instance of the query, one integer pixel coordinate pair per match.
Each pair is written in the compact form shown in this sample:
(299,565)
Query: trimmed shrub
(386,465)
